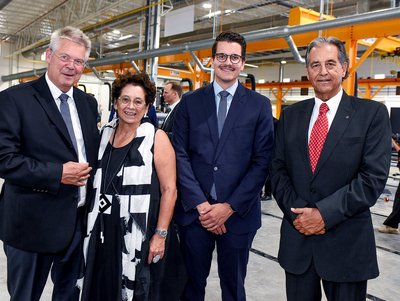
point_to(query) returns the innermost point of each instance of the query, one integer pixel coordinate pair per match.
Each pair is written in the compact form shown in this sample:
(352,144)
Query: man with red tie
(327,183)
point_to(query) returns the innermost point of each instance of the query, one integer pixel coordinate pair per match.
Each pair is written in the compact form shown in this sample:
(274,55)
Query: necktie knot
(223,94)
(323,108)
(64,97)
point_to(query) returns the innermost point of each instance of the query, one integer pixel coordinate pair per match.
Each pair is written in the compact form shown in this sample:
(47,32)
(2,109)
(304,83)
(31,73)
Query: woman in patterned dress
(128,232)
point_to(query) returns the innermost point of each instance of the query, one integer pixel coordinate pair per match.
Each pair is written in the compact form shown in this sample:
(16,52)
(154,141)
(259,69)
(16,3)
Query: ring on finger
(156,258)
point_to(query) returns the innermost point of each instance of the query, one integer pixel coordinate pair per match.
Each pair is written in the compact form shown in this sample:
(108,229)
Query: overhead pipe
(200,64)
(135,66)
(264,34)
(295,51)
(99,76)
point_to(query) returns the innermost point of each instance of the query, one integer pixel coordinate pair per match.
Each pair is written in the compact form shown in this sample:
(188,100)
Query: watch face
(162,233)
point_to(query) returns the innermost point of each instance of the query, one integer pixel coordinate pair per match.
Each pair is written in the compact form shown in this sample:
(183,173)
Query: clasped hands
(309,221)
(213,217)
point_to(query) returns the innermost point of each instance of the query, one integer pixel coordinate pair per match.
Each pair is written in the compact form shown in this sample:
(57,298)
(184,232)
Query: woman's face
(131,104)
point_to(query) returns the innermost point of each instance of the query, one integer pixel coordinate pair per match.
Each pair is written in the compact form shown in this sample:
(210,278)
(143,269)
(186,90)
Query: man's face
(325,71)
(169,94)
(227,73)
(62,68)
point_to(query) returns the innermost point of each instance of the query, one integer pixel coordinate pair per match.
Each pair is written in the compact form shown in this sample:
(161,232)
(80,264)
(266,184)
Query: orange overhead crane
(379,34)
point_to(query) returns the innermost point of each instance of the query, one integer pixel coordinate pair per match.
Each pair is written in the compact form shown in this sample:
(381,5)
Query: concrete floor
(265,279)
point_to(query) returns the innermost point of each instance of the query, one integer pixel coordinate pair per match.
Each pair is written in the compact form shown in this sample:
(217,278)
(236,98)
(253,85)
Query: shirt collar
(55,91)
(231,89)
(174,104)
(333,103)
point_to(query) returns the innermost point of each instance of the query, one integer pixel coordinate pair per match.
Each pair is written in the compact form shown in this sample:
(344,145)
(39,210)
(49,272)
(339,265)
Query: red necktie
(318,135)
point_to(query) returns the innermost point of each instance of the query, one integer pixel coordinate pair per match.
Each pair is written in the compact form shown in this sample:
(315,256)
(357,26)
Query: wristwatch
(162,233)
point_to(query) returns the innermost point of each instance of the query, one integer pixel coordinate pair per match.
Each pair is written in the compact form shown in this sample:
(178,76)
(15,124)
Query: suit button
(215,168)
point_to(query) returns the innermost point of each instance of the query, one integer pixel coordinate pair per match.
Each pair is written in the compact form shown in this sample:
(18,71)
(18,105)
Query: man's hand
(203,208)
(309,221)
(216,217)
(75,173)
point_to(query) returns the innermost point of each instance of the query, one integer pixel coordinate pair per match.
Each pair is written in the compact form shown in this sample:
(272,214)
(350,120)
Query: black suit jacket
(350,175)
(37,212)
(168,125)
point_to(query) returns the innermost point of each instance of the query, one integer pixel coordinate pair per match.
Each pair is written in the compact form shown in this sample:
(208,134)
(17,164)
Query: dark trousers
(232,256)
(27,272)
(393,219)
(307,287)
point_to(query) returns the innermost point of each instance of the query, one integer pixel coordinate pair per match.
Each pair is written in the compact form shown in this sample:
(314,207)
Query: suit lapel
(167,125)
(302,126)
(210,112)
(45,98)
(340,123)
(81,107)
(236,108)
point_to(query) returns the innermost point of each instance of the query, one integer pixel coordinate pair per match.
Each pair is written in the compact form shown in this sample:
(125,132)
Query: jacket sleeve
(246,193)
(190,190)
(281,183)
(15,166)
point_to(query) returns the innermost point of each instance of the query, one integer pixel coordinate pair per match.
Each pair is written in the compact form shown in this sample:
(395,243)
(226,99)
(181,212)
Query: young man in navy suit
(223,137)
(327,234)
(48,146)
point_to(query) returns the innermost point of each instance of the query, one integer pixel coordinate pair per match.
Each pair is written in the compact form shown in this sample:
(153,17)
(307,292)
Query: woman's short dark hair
(342,55)
(136,79)
(231,37)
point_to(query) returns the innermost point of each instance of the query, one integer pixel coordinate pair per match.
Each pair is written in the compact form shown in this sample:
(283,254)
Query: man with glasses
(48,147)
(223,137)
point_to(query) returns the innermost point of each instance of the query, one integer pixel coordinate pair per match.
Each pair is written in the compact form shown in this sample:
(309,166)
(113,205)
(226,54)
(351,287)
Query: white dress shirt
(56,92)
(333,105)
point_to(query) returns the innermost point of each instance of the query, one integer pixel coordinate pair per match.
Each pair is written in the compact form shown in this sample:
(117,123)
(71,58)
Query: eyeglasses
(222,57)
(65,58)
(126,100)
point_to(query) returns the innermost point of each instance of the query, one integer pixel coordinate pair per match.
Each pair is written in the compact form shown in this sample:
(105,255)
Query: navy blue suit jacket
(350,175)
(237,162)
(37,212)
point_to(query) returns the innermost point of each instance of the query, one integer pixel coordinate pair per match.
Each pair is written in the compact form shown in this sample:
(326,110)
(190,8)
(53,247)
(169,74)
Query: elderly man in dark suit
(48,146)
(172,96)
(223,137)
(330,164)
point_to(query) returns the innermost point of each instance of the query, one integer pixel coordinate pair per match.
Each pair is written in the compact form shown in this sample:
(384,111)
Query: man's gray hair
(73,34)
(342,55)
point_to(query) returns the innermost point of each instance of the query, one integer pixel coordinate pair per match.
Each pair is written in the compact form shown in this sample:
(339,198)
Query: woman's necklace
(120,143)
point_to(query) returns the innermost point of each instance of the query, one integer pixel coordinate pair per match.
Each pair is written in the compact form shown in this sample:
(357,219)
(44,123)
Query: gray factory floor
(265,278)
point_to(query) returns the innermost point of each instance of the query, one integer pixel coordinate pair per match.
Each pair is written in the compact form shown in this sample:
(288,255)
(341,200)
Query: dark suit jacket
(237,162)
(168,124)
(37,212)
(350,175)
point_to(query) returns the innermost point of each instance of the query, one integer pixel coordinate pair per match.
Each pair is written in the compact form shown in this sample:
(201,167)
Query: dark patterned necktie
(66,115)
(318,136)
(222,110)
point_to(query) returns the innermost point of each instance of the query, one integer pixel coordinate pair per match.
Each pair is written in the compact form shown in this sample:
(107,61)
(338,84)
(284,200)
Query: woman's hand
(157,247)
